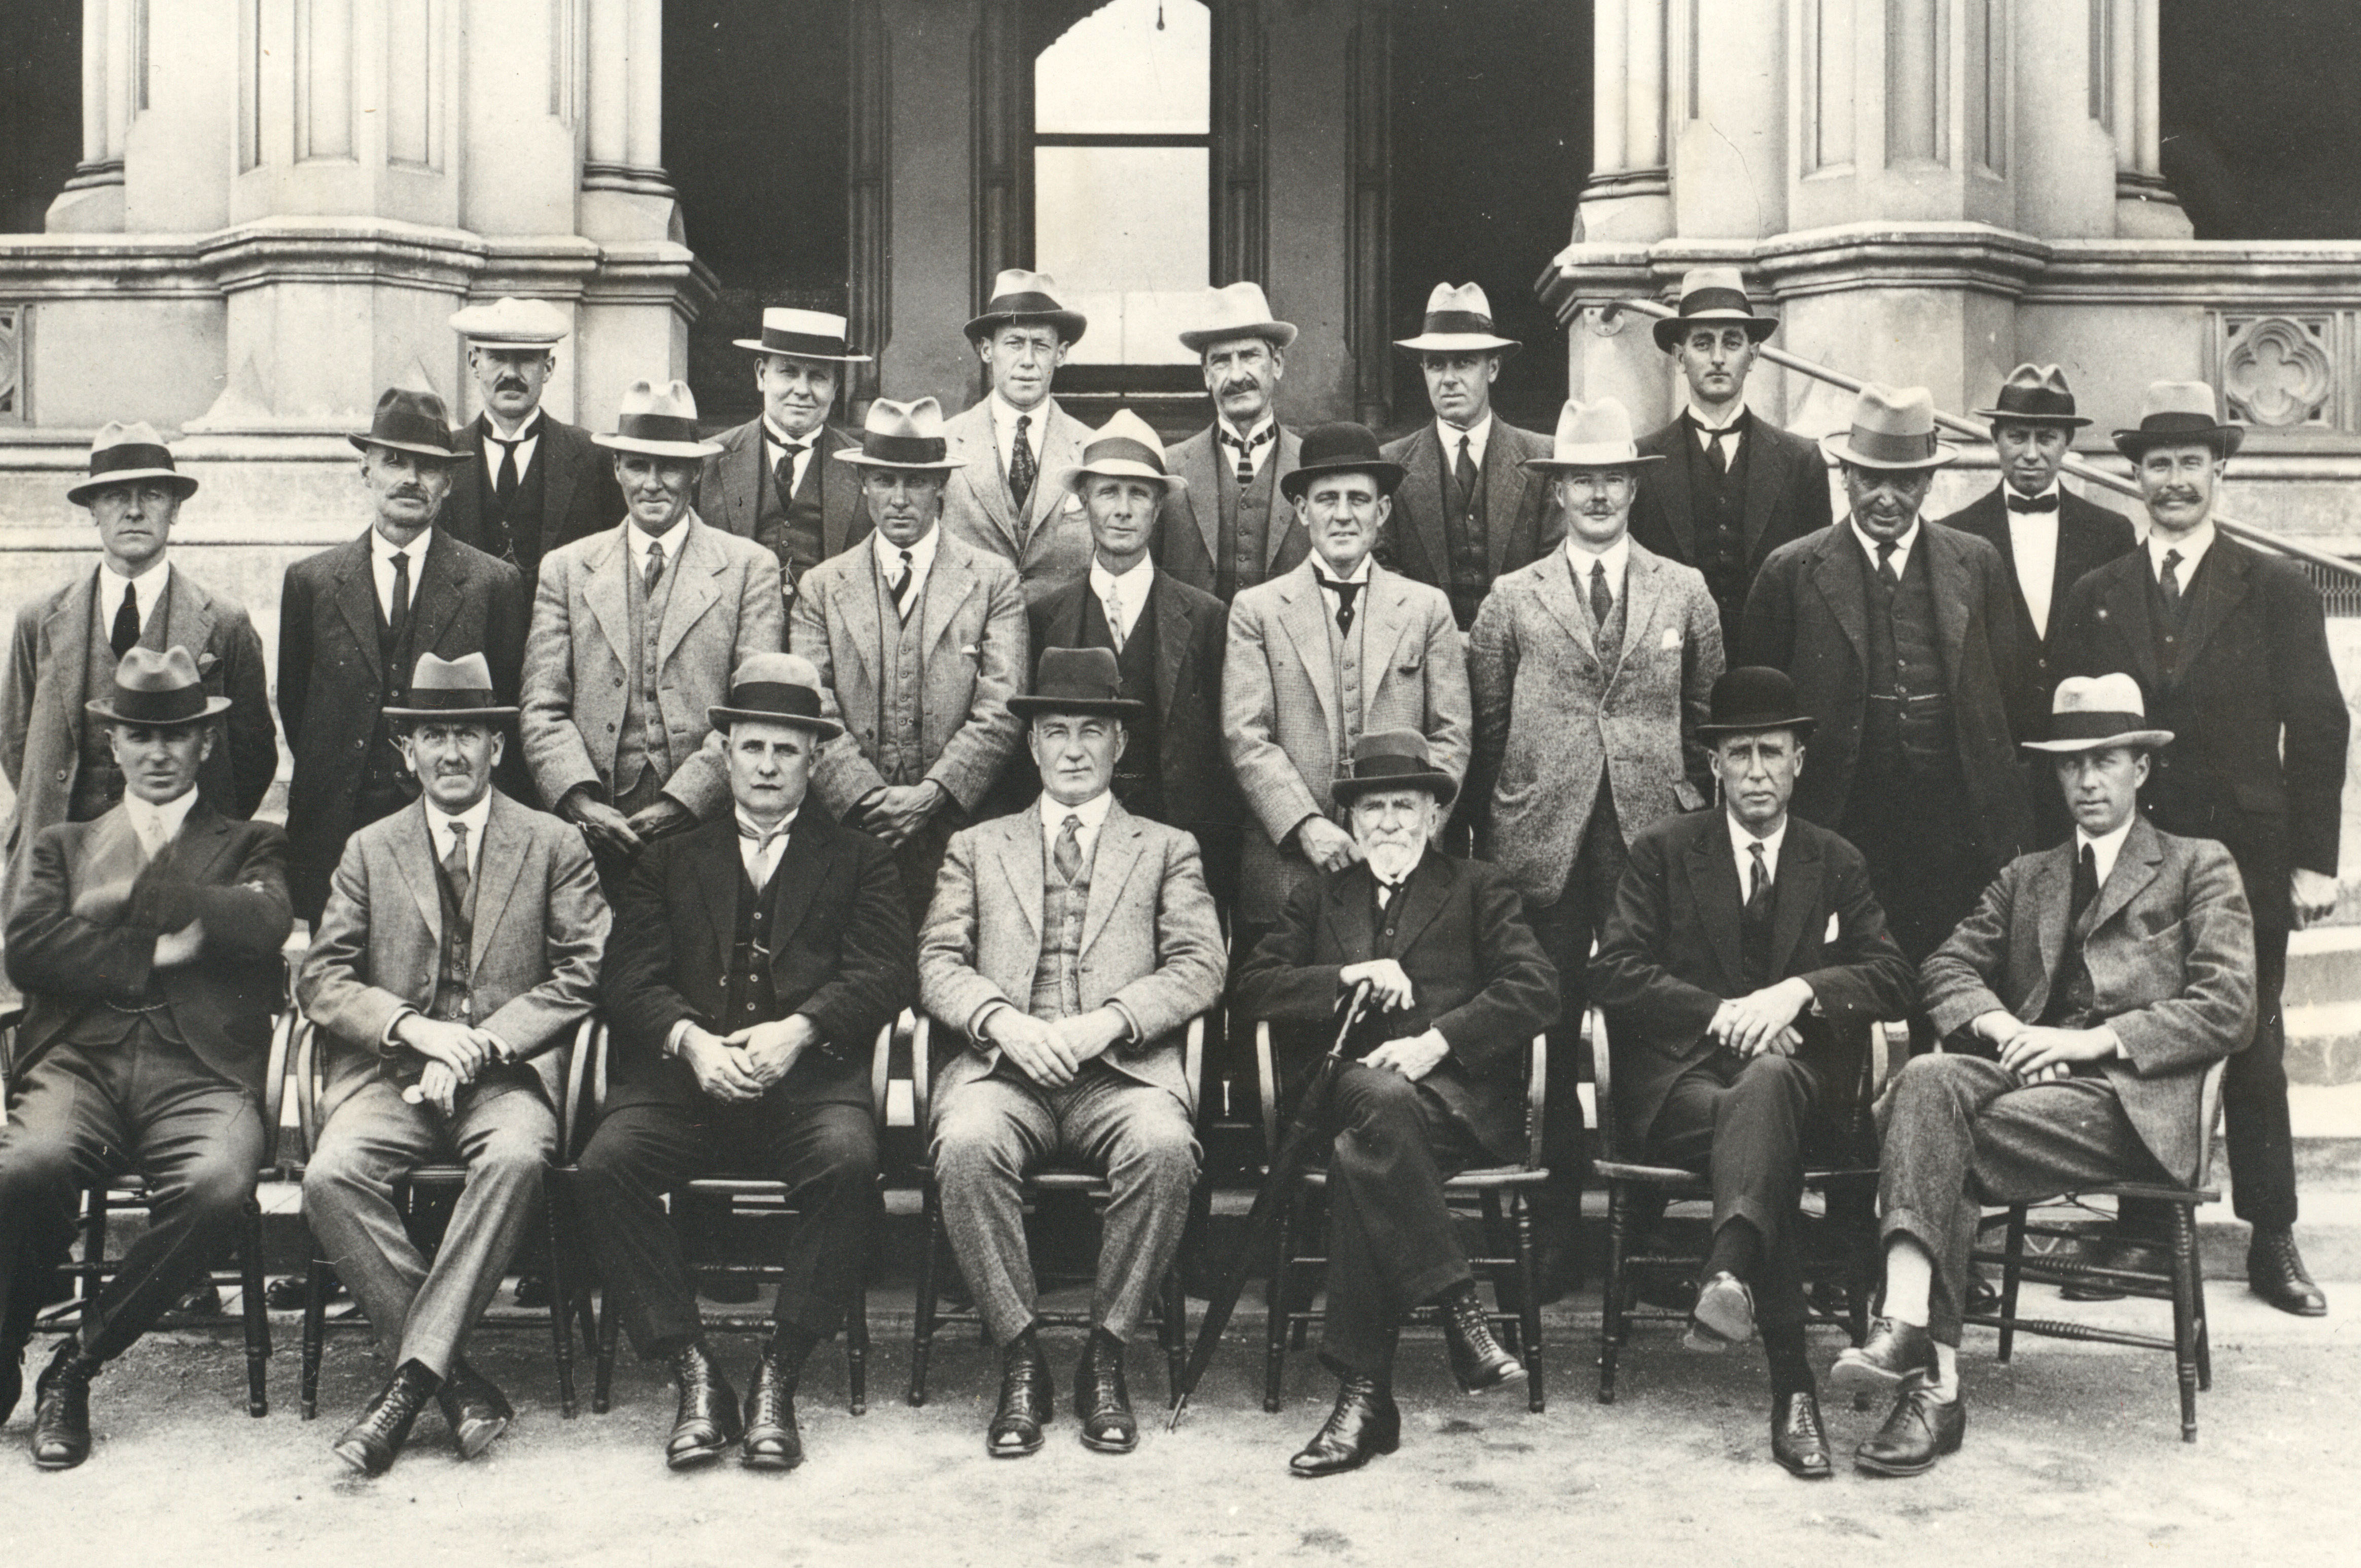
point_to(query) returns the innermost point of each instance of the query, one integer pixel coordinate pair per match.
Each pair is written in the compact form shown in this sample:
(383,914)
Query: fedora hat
(1458,321)
(1712,294)
(1341,448)
(2035,394)
(125,453)
(161,689)
(1593,435)
(511,323)
(2176,413)
(449,689)
(903,435)
(658,422)
(411,421)
(2094,712)
(805,334)
(1393,759)
(1892,427)
(1077,680)
(1018,295)
(1236,312)
(1124,449)
(1753,698)
(775,688)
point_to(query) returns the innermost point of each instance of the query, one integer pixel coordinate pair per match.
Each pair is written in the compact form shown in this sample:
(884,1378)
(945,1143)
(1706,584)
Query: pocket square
(205,663)
(1671,639)
(1835,928)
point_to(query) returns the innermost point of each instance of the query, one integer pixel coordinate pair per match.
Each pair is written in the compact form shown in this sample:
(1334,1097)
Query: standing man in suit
(1744,963)
(772,481)
(919,642)
(1900,637)
(2048,538)
(356,619)
(634,634)
(1466,509)
(2100,1036)
(753,962)
(1225,527)
(459,948)
(1734,486)
(1457,988)
(1002,498)
(146,942)
(2231,652)
(527,481)
(1070,944)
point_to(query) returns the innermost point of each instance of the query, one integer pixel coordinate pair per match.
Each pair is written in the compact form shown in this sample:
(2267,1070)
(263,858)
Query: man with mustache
(1226,527)
(773,481)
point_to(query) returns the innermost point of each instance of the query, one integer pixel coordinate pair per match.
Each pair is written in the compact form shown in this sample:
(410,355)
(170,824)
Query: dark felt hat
(1077,680)
(1754,697)
(1393,759)
(1341,448)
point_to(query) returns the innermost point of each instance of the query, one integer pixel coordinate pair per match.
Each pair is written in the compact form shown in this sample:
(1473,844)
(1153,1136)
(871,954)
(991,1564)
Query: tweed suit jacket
(540,928)
(2170,950)
(579,496)
(1278,685)
(1786,495)
(1521,516)
(730,487)
(1150,940)
(1551,715)
(1049,541)
(725,605)
(1189,524)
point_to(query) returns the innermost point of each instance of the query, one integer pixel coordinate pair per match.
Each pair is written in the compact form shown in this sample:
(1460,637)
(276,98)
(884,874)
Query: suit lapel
(1352,903)
(1838,571)
(2135,867)
(1061,448)
(499,865)
(1425,478)
(110,851)
(413,853)
(2053,901)
(1713,883)
(607,595)
(1117,851)
(693,592)
(2221,585)
(1201,468)
(1947,577)
(561,467)
(800,869)
(839,493)
(1281,521)
(741,481)
(1021,865)
(1673,481)
(357,597)
(189,616)
(1423,896)
(436,596)
(942,607)
(68,634)
(1557,594)
(1794,895)
(980,447)
(203,839)
(1504,495)
(718,872)
(1305,617)
(1765,468)
(1172,640)
(1643,596)
(2126,604)
(1389,623)
(858,602)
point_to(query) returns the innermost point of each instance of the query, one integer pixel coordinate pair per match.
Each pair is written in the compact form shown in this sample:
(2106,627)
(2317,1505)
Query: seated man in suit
(146,942)
(2107,973)
(1070,944)
(441,1013)
(1457,986)
(1740,966)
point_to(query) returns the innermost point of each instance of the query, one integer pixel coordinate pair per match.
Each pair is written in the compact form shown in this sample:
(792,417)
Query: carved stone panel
(2279,371)
(13,324)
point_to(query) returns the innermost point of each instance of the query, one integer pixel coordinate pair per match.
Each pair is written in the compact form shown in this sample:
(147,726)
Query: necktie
(2033,503)
(1245,446)
(1346,593)
(1886,572)
(784,472)
(1717,445)
(1602,602)
(399,620)
(1068,855)
(762,839)
(904,585)
(1113,603)
(2086,884)
(1758,882)
(455,864)
(655,566)
(1463,476)
(1020,464)
(126,621)
(506,481)
(2170,583)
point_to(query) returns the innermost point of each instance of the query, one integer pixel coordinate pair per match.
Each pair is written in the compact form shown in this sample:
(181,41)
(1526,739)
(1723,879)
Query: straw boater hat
(1458,321)
(162,690)
(1393,759)
(125,454)
(451,689)
(903,435)
(1238,310)
(1754,697)
(2174,412)
(2035,394)
(775,688)
(2094,711)
(658,422)
(1021,296)
(1077,680)
(511,323)
(805,334)
(1712,294)
(1892,427)
(1593,435)
(1125,449)
(1340,449)
(411,421)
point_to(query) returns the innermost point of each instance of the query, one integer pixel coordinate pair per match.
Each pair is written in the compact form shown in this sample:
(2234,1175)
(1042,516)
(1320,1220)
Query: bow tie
(2032,503)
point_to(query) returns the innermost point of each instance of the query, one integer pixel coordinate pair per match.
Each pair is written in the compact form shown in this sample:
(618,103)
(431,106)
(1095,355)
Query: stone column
(1629,196)
(2123,62)
(1729,141)
(928,177)
(626,194)
(92,202)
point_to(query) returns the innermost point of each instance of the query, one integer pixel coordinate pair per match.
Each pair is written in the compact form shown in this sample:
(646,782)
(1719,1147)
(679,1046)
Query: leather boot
(2274,1271)
(1027,1400)
(707,1422)
(372,1444)
(1892,1352)
(1798,1442)
(1920,1430)
(62,1416)
(773,1440)
(1476,1358)
(1365,1422)
(475,1411)
(1102,1403)
(1723,1316)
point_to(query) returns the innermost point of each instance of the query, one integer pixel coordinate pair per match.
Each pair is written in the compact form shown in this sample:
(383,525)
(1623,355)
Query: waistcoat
(645,740)
(1056,980)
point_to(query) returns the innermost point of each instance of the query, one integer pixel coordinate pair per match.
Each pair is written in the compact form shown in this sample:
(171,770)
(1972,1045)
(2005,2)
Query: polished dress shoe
(1983,1296)
(707,1423)
(61,1416)
(204,1301)
(1366,1422)
(475,1411)
(1476,1358)
(1101,1401)
(372,1444)
(1921,1430)
(1892,1352)
(773,1440)
(2274,1272)
(290,1293)
(1027,1400)
(1798,1442)
(1723,1316)
(532,1291)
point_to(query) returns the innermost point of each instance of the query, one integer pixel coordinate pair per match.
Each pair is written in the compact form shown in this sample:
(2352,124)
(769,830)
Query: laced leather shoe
(1892,1352)
(773,1440)
(707,1423)
(2274,1271)
(372,1444)
(1102,1403)
(1921,1430)
(62,1416)
(1476,1358)
(475,1411)
(1027,1399)
(1365,1422)
(1798,1442)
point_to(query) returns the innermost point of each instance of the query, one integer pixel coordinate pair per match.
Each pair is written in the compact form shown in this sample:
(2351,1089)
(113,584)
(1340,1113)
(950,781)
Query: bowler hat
(1341,448)
(2091,712)
(1393,759)
(1458,321)
(2176,413)
(1892,427)
(775,688)
(411,421)
(1124,449)
(658,422)
(908,436)
(1593,435)
(1754,697)
(162,690)
(1712,294)
(451,690)
(511,323)
(1077,680)
(1021,296)
(2035,394)
(1236,312)
(804,334)
(125,453)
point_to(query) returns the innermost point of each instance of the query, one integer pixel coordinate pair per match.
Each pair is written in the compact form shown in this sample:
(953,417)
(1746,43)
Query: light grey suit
(1049,541)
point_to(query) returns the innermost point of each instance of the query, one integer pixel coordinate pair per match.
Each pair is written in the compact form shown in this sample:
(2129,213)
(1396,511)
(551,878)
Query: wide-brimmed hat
(1893,427)
(2176,413)
(1077,680)
(2035,394)
(511,323)
(1712,294)
(1393,759)
(1123,448)
(1596,434)
(903,435)
(1754,697)
(1019,295)
(411,421)
(1458,321)
(1342,448)
(125,454)
(159,689)
(775,688)
(2094,712)
(805,334)
(1236,312)
(451,690)
(658,422)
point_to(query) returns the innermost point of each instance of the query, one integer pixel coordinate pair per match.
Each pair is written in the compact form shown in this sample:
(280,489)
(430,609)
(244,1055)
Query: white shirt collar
(1130,587)
(154,584)
(1726,426)
(1360,574)
(1901,546)
(922,554)
(760,855)
(1268,419)
(1616,558)
(2191,550)
(2007,489)
(1093,812)
(777,437)
(1742,837)
(1479,436)
(1004,415)
(383,550)
(158,825)
(2103,850)
(438,828)
(527,433)
(638,539)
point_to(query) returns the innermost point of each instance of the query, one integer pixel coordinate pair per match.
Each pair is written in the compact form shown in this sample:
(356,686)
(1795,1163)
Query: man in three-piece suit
(1457,988)
(526,481)
(356,619)
(1900,636)
(1733,487)
(773,481)
(2230,650)
(1744,962)
(459,951)
(1070,944)
(1226,526)
(753,962)
(2105,975)
(1002,498)
(1467,509)
(146,944)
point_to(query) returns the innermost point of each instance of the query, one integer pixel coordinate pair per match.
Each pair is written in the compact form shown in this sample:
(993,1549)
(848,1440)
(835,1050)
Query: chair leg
(561,1306)
(256,1312)
(2184,1315)
(1283,1255)
(2012,1274)
(1315,1224)
(856,1349)
(1528,1301)
(602,1377)
(2204,1336)
(1173,1330)
(922,1331)
(94,1252)
(318,1281)
(1610,1299)
(1499,1241)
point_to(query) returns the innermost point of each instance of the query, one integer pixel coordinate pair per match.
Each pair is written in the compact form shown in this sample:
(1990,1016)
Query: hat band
(408,430)
(1026,304)
(1050,695)
(176,705)
(782,697)
(811,345)
(129,455)
(1385,767)
(2177,423)
(1121,449)
(1459,322)
(904,448)
(1698,300)
(2094,724)
(655,427)
(450,699)
(2036,400)
(1761,719)
(1885,446)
